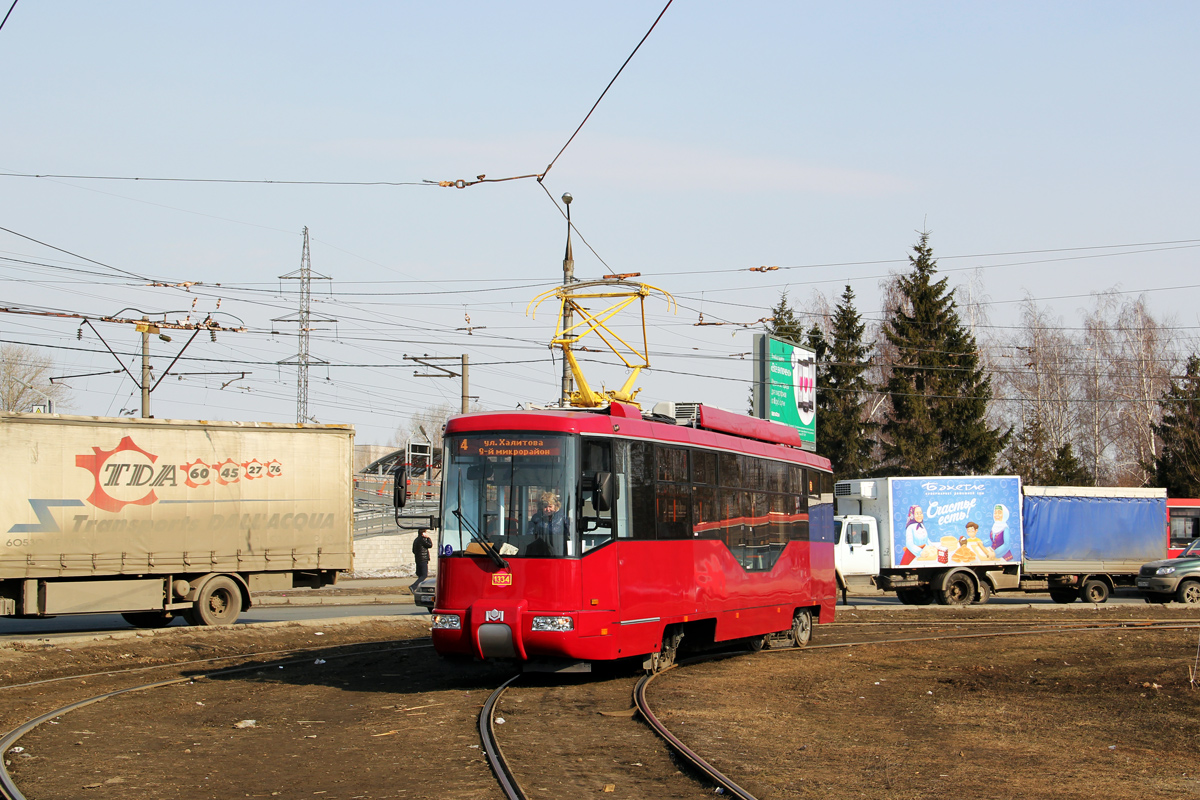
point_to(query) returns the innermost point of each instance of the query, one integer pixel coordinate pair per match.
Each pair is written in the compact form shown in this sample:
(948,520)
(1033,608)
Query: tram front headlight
(451,622)
(553,624)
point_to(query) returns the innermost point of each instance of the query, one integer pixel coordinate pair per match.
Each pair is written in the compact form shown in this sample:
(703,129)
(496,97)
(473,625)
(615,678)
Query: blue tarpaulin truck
(956,540)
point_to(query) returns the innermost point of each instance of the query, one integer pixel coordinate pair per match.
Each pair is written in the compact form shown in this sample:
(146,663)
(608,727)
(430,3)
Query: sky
(1049,148)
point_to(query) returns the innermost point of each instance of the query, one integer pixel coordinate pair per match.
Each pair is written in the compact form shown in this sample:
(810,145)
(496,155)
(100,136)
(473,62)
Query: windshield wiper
(487,546)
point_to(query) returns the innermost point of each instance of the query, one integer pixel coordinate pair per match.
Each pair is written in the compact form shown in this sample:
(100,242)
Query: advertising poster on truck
(967,521)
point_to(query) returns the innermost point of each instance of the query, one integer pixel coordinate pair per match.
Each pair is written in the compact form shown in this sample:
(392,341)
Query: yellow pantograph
(575,321)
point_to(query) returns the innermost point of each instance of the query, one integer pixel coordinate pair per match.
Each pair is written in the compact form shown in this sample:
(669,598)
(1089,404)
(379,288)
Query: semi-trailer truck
(157,518)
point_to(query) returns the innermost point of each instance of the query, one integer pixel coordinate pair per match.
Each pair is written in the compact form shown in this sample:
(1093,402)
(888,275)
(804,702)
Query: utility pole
(446,372)
(568,382)
(145,329)
(304,319)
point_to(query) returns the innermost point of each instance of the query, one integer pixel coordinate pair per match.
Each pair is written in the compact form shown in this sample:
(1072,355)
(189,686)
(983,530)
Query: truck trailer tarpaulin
(142,515)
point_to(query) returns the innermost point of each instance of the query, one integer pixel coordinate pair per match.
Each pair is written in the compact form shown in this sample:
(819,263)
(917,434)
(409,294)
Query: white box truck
(956,540)
(156,518)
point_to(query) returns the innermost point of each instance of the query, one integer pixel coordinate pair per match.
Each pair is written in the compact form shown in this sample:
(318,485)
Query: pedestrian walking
(421,546)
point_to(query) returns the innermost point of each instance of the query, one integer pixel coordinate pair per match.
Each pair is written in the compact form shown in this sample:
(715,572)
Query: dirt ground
(369,711)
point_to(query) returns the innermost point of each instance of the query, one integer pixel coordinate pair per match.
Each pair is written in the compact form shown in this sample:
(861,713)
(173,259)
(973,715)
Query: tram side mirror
(400,486)
(606,491)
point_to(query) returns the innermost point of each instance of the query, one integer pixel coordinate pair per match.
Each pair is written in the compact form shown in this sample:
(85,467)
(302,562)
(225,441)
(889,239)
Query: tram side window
(641,490)
(753,472)
(734,510)
(731,473)
(704,467)
(796,482)
(621,460)
(708,521)
(673,495)
(776,474)
(674,503)
(797,523)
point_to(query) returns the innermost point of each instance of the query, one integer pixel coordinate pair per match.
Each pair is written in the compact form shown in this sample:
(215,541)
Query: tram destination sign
(493,446)
(785,386)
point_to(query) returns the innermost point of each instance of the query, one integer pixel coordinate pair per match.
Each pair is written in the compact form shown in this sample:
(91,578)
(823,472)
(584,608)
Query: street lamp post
(568,383)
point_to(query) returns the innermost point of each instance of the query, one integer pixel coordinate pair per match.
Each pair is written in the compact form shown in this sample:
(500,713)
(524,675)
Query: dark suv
(1172,579)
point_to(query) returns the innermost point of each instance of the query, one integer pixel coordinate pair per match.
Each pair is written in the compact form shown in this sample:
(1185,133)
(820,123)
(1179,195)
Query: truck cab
(856,547)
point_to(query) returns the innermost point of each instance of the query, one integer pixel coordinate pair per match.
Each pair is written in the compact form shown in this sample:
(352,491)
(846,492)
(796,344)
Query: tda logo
(125,475)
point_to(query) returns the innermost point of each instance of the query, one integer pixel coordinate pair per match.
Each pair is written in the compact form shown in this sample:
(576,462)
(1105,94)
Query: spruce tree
(843,433)
(1028,454)
(1067,470)
(783,323)
(1177,467)
(938,391)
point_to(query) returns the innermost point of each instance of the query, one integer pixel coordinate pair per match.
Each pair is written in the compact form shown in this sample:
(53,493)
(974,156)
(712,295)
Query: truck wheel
(219,603)
(149,619)
(801,627)
(957,590)
(920,596)
(1094,591)
(1064,595)
(1188,592)
(985,592)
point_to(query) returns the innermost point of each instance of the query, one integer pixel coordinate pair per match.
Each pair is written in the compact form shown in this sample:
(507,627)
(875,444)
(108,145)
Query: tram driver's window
(598,519)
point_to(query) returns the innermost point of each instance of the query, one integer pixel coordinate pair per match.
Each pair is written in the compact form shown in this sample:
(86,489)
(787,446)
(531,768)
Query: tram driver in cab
(546,524)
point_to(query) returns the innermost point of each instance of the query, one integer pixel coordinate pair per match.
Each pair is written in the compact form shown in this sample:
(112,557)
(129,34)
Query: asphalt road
(106,623)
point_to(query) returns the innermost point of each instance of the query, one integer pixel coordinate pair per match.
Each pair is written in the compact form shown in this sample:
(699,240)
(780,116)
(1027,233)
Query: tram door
(603,517)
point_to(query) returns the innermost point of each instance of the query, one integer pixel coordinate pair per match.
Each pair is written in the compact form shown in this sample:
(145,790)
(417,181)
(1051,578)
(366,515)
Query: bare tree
(1146,359)
(428,424)
(25,379)
(1098,415)
(1040,377)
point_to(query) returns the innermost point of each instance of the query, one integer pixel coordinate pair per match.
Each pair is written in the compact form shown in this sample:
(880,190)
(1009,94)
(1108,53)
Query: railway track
(507,775)
(711,777)
(8,787)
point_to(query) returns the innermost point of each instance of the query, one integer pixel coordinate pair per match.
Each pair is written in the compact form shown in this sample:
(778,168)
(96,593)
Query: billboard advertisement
(785,386)
(967,521)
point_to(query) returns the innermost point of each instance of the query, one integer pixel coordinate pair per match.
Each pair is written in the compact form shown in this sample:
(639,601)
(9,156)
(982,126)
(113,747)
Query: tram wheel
(756,643)
(801,628)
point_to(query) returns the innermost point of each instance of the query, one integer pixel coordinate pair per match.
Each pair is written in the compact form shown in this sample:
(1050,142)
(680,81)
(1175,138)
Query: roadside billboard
(785,386)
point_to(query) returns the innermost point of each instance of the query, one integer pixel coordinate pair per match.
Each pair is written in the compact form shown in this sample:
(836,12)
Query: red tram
(575,536)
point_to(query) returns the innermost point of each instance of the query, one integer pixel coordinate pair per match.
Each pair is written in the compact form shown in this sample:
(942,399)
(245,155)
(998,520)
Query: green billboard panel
(785,385)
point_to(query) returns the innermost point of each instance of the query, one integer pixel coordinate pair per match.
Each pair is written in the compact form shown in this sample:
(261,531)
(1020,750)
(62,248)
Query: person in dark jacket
(420,547)
(545,525)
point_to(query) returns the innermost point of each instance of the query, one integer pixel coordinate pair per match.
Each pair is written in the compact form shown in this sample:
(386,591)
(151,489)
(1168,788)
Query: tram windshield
(513,492)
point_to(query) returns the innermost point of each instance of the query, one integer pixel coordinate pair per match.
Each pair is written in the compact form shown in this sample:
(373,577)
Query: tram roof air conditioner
(855,490)
(682,413)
